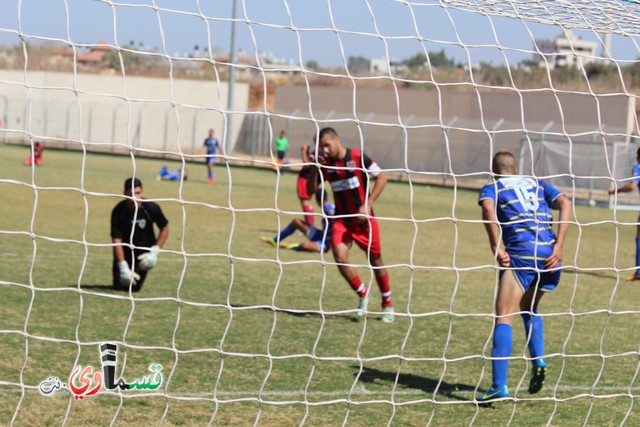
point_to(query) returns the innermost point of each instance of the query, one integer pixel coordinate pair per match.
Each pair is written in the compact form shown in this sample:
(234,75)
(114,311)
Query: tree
(312,65)
(416,61)
(128,58)
(358,63)
(440,59)
(437,59)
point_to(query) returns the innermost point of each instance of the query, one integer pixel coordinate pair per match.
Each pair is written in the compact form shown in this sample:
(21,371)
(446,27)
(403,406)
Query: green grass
(246,334)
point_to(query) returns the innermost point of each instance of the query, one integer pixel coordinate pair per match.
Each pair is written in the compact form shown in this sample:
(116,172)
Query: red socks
(385,289)
(357,285)
(309,219)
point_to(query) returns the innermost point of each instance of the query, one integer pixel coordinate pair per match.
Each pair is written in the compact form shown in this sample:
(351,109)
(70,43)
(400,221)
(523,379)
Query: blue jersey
(635,173)
(212,145)
(524,212)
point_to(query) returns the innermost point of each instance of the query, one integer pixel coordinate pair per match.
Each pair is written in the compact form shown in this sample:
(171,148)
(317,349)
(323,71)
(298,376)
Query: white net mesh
(230,331)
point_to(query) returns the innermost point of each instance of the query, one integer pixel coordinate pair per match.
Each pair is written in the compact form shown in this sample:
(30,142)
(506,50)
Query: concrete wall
(431,142)
(109,112)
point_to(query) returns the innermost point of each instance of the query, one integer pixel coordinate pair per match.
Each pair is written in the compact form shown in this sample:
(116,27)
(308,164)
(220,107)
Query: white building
(566,50)
(380,66)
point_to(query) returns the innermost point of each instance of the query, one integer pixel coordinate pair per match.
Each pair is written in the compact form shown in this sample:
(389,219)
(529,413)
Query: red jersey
(350,181)
(37,150)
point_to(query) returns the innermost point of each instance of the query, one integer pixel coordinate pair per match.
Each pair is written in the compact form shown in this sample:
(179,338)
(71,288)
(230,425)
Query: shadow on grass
(415,382)
(603,275)
(294,313)
(300,313)
(107,288)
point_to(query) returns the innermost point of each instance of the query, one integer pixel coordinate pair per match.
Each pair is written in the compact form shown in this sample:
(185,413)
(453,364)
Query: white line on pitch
(362,391)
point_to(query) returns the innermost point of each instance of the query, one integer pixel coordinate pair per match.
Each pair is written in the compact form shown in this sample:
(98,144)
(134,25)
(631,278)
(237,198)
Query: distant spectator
(282,144)
(166,175)
(36,156)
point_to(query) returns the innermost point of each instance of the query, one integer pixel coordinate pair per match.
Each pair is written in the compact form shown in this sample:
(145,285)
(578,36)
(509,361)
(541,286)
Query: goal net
(230,330)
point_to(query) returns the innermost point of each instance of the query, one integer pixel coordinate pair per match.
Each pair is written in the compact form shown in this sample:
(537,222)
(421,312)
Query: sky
(297,31)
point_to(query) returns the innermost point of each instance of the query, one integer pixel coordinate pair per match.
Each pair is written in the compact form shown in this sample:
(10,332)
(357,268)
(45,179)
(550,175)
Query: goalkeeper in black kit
(133,228)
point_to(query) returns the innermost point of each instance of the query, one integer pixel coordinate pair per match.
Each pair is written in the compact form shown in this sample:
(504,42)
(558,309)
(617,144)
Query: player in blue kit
(211,146)
(630,186)
(318,239)
(519,209)
(181,174)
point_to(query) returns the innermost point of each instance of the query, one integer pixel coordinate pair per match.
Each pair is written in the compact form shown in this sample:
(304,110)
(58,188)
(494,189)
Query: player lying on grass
(518,208)
(318,240)
(167,175)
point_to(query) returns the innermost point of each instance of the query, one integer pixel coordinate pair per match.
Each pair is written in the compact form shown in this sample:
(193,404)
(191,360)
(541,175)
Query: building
(566,50)
(96,54)
(380,66)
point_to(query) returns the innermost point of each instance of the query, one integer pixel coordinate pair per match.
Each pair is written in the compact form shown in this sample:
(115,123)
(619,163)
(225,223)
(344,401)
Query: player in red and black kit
(130,269)
(36,156)
(350,171)
(303,177)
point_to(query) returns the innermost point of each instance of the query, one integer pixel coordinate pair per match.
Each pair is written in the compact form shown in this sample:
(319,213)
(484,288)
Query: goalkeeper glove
(126,275)
(149,259)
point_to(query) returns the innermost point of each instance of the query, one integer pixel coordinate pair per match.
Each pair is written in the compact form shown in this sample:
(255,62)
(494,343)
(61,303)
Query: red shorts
(30,160)
(302,189)
(367,237)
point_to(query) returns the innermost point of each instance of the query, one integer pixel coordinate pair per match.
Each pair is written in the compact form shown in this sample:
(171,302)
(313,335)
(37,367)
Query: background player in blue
(630,186)
(319,240)
(178,175)
(519,209)
(211,145)
(132,222)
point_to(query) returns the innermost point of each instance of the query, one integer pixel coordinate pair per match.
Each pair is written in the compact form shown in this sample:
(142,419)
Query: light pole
(232,60)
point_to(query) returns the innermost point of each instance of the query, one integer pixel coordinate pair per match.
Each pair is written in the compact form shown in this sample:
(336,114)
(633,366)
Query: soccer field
(246,334)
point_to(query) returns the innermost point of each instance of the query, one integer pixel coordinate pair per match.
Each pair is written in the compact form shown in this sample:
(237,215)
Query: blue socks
(638,255)
(209,174)
(502,344)
(286,232)
(534,332)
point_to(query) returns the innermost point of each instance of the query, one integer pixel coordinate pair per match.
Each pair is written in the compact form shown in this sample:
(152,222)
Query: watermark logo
(87,382)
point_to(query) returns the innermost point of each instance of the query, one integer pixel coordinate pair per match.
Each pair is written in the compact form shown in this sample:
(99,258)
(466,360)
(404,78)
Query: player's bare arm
(378,185)
(312,181)
(305,154)
(118,250)
(563,205)
(625,188)
(493,232)
(162,236)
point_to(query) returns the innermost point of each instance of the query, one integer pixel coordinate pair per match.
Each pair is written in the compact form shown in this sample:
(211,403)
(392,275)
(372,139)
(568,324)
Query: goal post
(584,168)
(237,326)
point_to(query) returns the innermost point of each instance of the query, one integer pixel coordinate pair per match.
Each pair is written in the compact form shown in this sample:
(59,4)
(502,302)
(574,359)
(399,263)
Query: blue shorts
(317,235)
(211,159)
(532,273)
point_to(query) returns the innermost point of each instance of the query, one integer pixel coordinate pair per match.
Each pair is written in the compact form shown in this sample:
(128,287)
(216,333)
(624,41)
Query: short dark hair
(132,183)
(503,161)
(638,153)
(327,131)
